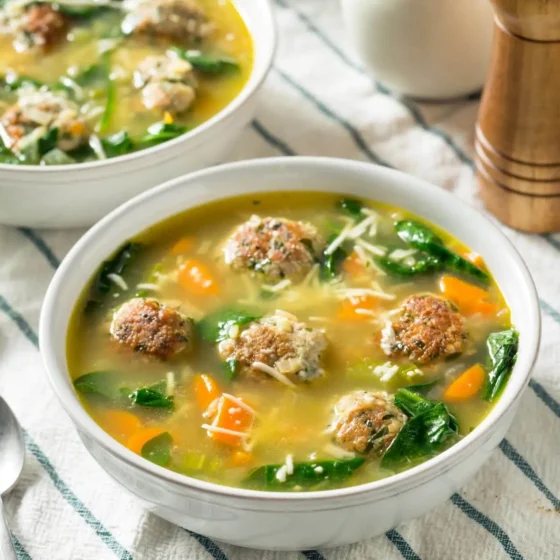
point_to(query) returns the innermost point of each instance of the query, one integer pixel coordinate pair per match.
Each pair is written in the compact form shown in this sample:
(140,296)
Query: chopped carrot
(167,117)
(466,385)
(121,424)
(196,278)
(230,416)
(206,390)
(469,299)
(353,265)
(137,440)
(357,308)
(474,258)
(241,458)
(77,128)
(184,245)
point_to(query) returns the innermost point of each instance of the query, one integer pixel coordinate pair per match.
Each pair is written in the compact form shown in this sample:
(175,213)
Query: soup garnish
(86,81)
(324,343)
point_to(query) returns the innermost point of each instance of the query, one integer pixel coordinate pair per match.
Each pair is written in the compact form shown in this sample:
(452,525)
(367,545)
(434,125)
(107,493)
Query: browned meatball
(280,342)
(151,328)
(181,20)
(44,25)
(275,247)
(427,328)
(366,422)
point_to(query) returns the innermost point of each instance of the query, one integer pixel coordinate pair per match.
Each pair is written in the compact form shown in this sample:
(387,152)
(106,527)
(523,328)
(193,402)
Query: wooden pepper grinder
(518,130)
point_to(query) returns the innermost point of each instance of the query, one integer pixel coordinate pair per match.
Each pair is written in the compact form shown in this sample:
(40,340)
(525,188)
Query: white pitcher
(432,49)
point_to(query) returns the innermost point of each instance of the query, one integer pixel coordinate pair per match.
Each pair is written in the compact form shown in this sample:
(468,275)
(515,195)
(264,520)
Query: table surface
(317,101)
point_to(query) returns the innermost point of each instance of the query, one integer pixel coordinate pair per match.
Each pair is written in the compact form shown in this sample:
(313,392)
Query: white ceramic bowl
(62,196)
(292,521)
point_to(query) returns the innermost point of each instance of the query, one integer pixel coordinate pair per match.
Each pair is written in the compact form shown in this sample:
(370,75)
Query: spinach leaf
(118,144)
(422,437)
(231,368)
(48,141)
(422,388)
(502,348)
(116,265)
(206,63)
(331,264)
(158,449)
(417,235)
(425,264)
(429,429)
(82,11)
(215,327)
(162,132)
(110,98)
(305,474)
(6,155)
(351,206)
(99,383)
(96,73)
(153,396)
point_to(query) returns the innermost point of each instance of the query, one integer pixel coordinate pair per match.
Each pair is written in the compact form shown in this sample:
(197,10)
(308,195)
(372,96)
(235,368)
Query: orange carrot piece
(466,385)
(184,245)
(241,458)
(353,266)
(206,390)
(137,440)
(121,424)
(468,298)
(230,416)
(357,308)
(196,278)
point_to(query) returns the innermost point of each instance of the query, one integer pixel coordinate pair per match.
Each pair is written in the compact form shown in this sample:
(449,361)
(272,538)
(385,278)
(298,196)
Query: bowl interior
(289,174)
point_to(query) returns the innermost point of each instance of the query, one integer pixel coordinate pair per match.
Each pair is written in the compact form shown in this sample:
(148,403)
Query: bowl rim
(391,485)
(251,86)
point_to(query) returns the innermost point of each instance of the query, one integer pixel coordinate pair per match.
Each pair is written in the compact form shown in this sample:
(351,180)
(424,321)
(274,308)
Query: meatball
(180,20)
(151,328)
(366,422)
(280,342)
(167,83)
(427,328)
(39,111)
(275,247)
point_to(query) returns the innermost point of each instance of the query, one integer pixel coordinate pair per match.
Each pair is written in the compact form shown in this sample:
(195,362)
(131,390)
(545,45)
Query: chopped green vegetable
(158,449)
(48,141)
(153,396)
(206,63)
(82,10)
(352,207)
(502,348)
(425,264)
(231,368)
(57,157)
(6,155)
(116,265)
(331,264)
(430,428)
(216,326)
(99,383)
(118,144)
(305,474)
(162,132)
(110,99)
(97,73)
(417,235)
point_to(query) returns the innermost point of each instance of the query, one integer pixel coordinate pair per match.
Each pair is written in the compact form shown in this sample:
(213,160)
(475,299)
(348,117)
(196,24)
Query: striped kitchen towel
(66,508)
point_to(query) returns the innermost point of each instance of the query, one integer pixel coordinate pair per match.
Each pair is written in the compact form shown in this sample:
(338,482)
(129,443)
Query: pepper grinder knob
(517,137)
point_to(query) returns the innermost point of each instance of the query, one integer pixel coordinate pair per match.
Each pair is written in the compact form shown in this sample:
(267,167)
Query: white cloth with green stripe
(317,101)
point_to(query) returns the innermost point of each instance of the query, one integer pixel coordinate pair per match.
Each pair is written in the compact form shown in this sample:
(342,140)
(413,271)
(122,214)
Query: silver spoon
(12,455)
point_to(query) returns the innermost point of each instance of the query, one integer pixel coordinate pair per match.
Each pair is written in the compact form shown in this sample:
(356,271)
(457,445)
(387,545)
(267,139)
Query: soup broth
(312,345)
(116,77)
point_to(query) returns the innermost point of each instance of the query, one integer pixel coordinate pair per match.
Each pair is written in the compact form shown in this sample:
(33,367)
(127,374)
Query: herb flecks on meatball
(151,328)
(366,422)
(428,328)
(33,25)
(274,247)
(280,342)
(39,111)
(182,20)
(167,83)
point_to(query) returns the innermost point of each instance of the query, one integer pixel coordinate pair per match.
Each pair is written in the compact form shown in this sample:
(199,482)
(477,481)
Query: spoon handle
(7,550)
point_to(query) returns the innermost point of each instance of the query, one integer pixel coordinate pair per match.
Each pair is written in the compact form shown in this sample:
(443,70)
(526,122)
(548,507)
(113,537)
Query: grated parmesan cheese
(147,286)
(283,284)
(289,464)
(348,293)
(219,430)
(376,250)
(388,338)
(240,403)
(386,371)
(273,373)
(170,383)
(118,280)
(361,228)
(401,254)
(282,473)
(318,469)
(339,240)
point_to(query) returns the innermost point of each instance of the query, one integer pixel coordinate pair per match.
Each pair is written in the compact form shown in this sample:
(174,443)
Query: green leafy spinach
(502,349)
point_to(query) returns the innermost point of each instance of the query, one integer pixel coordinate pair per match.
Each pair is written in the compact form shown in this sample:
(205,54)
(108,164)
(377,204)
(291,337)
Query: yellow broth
(85,44)
(290,421)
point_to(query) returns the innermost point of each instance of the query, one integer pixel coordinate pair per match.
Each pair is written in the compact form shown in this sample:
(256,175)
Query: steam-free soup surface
(294,341)
(82,83)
